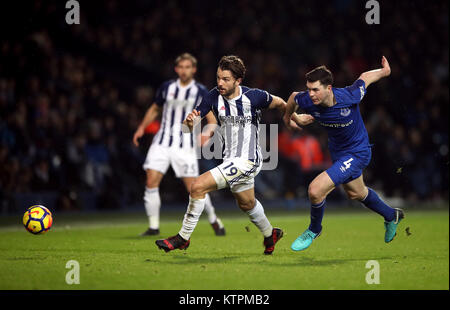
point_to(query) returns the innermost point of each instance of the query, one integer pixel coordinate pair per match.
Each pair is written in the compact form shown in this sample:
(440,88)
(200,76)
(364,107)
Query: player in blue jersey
(337,110)
(237,111)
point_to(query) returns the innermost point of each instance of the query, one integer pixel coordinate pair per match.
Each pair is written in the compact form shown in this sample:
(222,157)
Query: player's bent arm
(373,76)
(291,107)
(150,116)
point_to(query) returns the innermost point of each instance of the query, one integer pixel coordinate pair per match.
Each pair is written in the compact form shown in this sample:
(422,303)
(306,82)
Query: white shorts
(184,163)
(236,173)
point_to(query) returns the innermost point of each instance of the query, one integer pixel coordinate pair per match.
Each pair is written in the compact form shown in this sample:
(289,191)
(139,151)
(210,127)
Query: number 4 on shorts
(347,163)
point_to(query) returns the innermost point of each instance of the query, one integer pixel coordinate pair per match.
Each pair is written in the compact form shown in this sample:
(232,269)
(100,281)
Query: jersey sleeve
(299,99)
(161,94)
(205,104)
(261,99)
(355,92)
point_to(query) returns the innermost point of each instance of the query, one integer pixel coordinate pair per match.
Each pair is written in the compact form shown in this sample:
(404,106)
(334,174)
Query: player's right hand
(138,134)
(190,118)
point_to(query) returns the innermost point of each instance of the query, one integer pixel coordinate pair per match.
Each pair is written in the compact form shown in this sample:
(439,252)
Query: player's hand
(385,66)
(138,134)
(287,120)
(302,119)
(191,119)
(293,126)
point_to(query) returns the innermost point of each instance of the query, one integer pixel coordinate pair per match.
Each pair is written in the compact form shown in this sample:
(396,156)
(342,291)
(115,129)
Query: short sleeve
(161,95)
(206,104)
(261,99)
(300,100)
(356,91)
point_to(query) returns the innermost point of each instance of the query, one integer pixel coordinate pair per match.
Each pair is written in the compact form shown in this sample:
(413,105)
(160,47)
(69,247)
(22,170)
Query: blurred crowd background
(71,96)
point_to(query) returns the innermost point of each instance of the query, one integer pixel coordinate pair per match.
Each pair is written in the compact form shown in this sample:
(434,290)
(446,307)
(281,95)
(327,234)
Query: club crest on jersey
(345,112)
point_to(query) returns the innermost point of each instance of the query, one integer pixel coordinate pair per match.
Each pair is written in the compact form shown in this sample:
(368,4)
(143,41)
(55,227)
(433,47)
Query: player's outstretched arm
(372,76)
(149,117)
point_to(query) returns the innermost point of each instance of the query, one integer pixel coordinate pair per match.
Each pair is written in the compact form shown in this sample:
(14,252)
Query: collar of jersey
(187,86)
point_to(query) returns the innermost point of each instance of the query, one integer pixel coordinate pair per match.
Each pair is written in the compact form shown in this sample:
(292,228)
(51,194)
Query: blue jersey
(238,119)
(343,121)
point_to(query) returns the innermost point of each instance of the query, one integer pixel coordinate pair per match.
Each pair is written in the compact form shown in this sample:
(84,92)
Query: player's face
(185,70)
(318,92)
(226,83)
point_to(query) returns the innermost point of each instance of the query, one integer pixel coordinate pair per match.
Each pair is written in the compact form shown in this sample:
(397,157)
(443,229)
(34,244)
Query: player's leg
(215,222)
(155,166)
(318,190)
(201,185)
(249,204)
(152,201)
(357,190)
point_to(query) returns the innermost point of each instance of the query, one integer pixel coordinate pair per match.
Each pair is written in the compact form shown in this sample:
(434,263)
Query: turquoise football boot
(304,240)
(391,227)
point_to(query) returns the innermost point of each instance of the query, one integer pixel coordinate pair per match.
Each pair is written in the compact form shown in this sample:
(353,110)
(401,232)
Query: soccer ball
(37,219)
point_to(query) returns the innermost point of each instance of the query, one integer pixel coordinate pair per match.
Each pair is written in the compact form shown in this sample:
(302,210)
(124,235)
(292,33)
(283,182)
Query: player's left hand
(385,66)
(303,119)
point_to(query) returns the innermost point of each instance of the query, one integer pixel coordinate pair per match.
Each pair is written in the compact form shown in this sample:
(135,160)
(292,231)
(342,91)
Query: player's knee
(197,189)
(355,195)
(151,182)
(247,205)
(314,193)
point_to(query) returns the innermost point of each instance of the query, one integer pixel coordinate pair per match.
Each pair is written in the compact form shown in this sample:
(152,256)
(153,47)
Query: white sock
(209,208)
(152,202)
(258,218)
(193,212)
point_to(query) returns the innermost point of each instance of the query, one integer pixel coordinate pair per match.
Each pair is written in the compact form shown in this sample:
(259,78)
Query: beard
(229,92)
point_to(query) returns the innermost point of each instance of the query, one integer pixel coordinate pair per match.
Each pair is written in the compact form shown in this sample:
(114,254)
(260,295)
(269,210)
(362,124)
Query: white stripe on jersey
(238,135)
(179,101)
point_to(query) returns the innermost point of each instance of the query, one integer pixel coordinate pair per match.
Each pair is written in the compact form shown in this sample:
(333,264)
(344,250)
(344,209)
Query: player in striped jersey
(237,111)
(175,98)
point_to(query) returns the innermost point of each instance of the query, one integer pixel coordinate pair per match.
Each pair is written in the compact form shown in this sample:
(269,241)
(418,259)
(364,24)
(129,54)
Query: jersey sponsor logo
(345,112)
(316,114)
(336,125)
(235,119)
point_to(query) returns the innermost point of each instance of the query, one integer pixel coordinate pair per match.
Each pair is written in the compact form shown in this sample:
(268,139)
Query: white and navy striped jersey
(177,102)
(238,120)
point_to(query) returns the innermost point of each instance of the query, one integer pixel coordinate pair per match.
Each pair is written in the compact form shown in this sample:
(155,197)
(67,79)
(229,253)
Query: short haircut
(186,56)
(322,74)
(233,64)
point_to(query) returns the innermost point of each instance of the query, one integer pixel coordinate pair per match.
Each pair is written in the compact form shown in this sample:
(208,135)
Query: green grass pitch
(111,255)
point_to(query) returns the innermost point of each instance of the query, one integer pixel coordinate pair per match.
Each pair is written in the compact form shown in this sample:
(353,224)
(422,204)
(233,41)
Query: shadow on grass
(187,260)
(310,261)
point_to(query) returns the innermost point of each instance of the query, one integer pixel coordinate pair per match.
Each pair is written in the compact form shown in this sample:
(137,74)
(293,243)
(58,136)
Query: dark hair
(186,56)
(233,64)
(322,74)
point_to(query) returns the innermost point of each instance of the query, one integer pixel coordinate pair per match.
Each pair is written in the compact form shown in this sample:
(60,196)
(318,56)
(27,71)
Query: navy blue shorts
(348,166)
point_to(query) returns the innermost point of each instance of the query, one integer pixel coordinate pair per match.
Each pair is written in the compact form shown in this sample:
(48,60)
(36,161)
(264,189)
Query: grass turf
(111,255)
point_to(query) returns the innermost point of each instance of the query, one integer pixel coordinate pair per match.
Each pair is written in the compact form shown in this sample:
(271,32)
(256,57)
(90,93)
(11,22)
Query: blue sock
(374,203)
(317,211)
